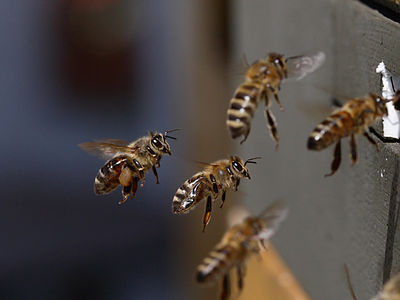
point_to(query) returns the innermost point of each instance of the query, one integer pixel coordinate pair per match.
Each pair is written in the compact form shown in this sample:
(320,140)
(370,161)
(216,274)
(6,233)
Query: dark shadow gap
(384,10)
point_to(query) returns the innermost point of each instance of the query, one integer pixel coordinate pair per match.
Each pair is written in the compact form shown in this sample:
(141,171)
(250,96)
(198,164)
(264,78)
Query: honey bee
(391,289)
(262,79)
(237,245)
(210,183)
(352,119)
(129,162)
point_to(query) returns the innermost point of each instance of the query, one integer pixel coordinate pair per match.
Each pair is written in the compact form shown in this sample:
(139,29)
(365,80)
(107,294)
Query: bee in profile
(210,183)
(237,245)
(353,118)
(263,79)
(128,162)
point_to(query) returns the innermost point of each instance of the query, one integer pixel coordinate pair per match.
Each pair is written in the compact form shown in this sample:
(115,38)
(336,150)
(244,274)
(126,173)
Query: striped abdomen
(107,178)
(217,263)
(189,194)
(242,108)
(333,128)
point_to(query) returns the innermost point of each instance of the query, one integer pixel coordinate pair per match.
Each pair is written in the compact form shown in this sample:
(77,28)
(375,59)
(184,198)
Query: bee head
(380,104)
(239,168)
(255,225)
(159,144)
(278,60)
(396,100)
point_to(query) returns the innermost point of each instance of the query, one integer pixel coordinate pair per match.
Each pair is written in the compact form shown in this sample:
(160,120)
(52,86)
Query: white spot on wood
(390,84)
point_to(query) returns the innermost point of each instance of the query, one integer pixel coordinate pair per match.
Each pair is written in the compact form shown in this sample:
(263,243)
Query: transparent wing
(272,216)
(300,66)
(105,148)
(114,142)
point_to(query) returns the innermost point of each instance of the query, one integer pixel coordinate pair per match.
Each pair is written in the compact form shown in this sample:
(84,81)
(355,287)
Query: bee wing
(300,66)
(114,142)
(272,216)
(188,195)
(104,149)
(205,163)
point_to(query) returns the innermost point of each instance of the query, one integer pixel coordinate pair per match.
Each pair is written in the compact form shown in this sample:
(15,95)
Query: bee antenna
(250,160)
(171,130)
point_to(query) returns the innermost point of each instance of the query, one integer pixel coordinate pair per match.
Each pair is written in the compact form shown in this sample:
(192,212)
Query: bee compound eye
(237,166)
(156,143)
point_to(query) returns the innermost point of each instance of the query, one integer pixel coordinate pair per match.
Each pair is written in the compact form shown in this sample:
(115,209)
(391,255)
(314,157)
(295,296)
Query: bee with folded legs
(128,162)
(263,80)
(210,184)
(352,119)
(237,245)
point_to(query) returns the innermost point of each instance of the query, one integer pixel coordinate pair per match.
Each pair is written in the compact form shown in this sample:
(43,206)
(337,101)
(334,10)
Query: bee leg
(237,184)
(134,186)
(223,199)
(140,170)
(353,149)
(125,179)
(262,243)
(275,93)
(246,134)
(214,184)
(372,141)
(272,126)
(240,275)
(207,214)
(225,288)
(155,174)
(126,191)
(336,161)
(271,121)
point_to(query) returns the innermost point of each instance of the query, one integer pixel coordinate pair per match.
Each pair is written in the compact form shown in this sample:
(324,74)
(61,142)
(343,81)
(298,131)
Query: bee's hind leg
(126,191)
(336,160)
(134,186)
(223,199)
(271,121)
(245,135)
(125,179)
(372,141)
(272,126)
(207,213)
(353,149)
(240,274)
(225,288)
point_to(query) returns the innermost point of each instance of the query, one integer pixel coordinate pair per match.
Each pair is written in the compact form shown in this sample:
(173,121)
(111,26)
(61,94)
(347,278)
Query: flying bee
(353,118)
(128,162)
(237,245)
(262,79)
(210,183)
